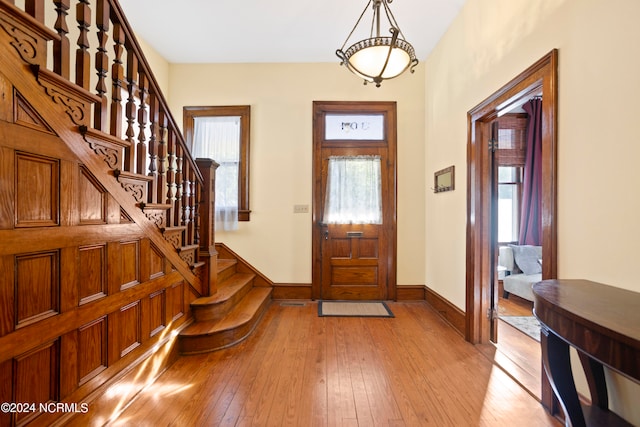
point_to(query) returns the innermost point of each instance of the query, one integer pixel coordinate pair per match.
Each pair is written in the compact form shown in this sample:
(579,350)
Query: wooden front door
(354,200)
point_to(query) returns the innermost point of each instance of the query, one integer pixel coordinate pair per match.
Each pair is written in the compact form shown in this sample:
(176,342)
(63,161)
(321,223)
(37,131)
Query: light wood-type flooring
(516,352)
(298,369)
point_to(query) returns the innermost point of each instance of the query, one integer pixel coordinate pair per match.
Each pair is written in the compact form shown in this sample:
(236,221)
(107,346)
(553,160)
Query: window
(354,190)
(509,190)
(222,134)
(510,157)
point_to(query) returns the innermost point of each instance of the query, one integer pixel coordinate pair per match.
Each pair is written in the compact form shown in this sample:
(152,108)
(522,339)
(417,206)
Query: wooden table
(603,323)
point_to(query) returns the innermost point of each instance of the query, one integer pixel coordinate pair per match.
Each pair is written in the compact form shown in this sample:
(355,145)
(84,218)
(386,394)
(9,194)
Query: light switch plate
(300,208)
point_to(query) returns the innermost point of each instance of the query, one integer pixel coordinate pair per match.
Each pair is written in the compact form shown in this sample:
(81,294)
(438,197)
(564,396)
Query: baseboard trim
(449,312)
(286,291)
(411,293)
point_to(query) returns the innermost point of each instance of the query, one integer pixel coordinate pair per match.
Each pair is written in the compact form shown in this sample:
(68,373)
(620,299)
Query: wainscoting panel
(130,252)
(176,300)
(156,262)
(37,372)
(93,200)
(92,265)
(92,349)
(128,328)
(37,190)
(157,312)
(37,287)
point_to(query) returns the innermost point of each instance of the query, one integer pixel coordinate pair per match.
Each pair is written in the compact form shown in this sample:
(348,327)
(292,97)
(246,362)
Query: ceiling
(235,31)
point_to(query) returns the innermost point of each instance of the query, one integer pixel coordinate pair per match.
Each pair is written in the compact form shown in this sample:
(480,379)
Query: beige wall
(492,41)
(277,241)
(160,68)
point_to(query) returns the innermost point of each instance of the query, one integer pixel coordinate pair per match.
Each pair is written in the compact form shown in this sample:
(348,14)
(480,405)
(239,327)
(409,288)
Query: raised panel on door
(353,267)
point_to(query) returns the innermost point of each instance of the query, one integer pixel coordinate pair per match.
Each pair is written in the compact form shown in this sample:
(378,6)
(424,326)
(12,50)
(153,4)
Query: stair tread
(223,264)
(239,315)
(134,176)
(226,289)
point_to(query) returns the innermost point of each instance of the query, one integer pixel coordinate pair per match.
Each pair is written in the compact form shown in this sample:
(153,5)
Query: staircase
(106,220)
(229,316)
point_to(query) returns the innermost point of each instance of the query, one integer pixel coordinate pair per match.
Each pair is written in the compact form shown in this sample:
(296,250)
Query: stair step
(187,248)
(226,269)
(197,265)
(201,337)
(109,147)
(230,292)
(173,235)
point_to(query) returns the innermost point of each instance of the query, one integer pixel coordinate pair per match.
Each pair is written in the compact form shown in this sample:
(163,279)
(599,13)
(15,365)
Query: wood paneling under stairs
(299,369)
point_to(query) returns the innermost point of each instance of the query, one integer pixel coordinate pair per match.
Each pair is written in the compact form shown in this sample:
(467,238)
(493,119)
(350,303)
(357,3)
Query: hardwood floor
(515,352)
(298,369)
(515,306)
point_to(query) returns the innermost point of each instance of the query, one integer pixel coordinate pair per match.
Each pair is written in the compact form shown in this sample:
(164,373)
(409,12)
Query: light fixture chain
(392,18)
(356,26)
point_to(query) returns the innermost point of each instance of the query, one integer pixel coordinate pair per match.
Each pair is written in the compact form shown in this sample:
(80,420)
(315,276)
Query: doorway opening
(482,275)
(354,201)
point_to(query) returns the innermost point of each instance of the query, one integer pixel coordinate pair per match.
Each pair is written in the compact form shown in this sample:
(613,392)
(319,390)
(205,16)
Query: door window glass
(354,190)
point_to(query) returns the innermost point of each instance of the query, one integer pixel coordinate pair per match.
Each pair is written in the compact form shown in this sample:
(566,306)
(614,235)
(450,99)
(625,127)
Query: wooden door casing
(540,77)
(355,261)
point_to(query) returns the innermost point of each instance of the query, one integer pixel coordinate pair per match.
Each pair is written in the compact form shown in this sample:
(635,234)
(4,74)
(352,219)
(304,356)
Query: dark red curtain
(531,219)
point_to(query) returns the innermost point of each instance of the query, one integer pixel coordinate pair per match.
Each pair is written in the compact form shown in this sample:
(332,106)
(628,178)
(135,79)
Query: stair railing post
(207,251)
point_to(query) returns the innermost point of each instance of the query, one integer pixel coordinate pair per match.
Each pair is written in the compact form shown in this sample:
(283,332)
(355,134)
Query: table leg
(557,366)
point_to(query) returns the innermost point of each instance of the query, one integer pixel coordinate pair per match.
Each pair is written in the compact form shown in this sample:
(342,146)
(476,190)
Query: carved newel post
(207,251)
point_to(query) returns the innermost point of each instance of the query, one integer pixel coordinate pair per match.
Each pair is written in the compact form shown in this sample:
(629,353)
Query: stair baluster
(102,62)
(61,49)
(117,76)
(83,59)
(141,150)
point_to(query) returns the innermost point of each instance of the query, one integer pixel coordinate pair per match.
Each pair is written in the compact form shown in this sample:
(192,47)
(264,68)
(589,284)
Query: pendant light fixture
(378,57)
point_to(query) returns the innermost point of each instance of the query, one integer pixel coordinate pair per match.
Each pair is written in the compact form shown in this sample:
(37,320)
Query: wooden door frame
(540,77)
(320,108)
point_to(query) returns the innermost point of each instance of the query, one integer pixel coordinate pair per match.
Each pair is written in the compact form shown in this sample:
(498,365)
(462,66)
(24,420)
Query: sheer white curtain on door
(218,138)
(354,191)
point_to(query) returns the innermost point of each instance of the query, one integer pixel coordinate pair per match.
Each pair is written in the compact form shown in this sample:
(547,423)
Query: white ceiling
(212,31)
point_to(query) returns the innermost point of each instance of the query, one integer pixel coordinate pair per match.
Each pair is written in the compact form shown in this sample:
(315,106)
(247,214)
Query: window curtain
(531,221)
(218,138)
(354,191)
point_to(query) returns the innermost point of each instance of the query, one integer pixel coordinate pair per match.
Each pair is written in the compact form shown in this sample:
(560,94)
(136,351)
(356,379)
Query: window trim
(244,112)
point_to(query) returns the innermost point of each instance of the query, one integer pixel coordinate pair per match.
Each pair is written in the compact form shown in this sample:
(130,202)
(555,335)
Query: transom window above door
(368,127)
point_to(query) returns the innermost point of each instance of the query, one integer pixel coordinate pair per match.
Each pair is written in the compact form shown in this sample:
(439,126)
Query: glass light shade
(378,58)
(370,61)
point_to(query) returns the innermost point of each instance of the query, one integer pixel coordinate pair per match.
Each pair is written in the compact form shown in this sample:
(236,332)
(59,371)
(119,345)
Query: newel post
(207,251)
